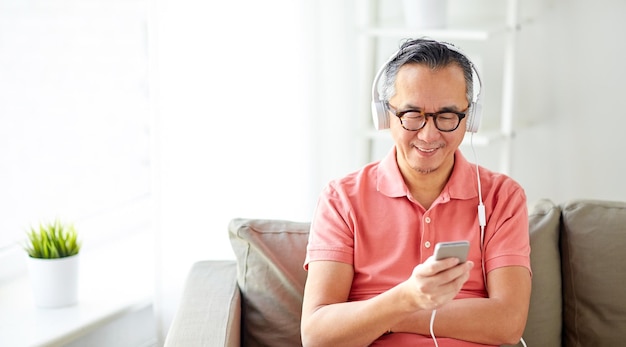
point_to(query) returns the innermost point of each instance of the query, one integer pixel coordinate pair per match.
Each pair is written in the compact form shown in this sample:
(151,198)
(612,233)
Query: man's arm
(499,319)
(328,319)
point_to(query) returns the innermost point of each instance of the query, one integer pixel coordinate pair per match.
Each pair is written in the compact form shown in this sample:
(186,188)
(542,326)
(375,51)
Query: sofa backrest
(544,324)
(270,274)
(593,244)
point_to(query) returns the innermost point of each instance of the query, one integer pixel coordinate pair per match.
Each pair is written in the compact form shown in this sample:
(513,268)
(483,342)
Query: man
(372,279)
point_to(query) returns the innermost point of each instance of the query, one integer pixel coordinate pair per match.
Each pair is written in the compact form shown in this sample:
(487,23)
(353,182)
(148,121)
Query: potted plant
(53,250)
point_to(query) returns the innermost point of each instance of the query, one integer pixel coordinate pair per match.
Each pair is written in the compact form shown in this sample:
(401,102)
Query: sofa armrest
(209,313)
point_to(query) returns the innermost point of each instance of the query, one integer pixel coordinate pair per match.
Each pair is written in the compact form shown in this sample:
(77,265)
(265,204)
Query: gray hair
(431,53)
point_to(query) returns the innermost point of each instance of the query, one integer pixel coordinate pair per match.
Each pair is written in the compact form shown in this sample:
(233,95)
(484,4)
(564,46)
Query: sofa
(578,296)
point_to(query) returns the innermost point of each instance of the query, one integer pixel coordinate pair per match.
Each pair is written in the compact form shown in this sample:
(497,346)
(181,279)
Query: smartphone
(456,249)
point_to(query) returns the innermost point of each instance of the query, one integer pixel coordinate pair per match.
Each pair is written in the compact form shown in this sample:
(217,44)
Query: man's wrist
(417,323)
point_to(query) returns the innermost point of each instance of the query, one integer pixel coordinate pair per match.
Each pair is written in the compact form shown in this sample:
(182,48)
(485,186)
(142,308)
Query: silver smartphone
(455,249)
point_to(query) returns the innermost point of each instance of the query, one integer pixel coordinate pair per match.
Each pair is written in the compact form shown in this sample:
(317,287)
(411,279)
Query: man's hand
(436,282)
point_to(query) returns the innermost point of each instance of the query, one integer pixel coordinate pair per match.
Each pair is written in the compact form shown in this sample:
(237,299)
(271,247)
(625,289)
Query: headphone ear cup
(473,121)
(379,115)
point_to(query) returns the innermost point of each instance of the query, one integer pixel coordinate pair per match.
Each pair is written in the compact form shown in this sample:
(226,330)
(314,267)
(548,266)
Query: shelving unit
(375,37)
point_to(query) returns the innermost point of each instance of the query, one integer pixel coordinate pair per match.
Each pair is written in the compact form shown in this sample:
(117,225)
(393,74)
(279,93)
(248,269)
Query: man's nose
(429,132)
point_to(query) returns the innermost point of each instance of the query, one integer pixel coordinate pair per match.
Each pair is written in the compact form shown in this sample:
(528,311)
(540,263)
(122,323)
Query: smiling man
(372,278)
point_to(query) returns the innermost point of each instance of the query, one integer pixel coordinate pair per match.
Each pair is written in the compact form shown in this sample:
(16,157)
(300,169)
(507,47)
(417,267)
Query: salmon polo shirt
(369,219)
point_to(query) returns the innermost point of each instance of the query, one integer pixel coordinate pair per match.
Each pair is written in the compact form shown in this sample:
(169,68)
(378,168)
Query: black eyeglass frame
(400,115)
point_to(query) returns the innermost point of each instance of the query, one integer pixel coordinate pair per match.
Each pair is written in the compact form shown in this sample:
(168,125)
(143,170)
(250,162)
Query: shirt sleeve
(331,237)
(507,240)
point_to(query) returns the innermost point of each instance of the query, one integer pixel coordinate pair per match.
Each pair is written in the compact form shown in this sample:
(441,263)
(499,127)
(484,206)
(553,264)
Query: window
(74,117)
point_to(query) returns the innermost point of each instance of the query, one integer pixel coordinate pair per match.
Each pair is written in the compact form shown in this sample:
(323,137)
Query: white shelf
(442,34)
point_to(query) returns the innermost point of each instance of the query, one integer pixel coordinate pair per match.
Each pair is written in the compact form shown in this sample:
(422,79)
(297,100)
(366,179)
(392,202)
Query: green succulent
(52,240)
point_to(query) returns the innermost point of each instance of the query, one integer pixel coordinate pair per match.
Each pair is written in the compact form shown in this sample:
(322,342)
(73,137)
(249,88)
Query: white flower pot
(425,14)
(54,281)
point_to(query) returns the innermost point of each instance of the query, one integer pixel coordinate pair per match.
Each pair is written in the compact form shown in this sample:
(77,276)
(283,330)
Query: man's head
(427,93)
(430,53)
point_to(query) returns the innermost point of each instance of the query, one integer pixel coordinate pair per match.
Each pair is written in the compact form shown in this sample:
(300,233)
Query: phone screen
(454,249)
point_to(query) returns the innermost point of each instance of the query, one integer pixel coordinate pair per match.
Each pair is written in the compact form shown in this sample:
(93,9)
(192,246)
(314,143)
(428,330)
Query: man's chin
(425,166)
(424,170)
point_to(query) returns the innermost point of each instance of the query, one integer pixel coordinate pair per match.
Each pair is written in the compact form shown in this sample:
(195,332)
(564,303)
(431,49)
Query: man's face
(428,150)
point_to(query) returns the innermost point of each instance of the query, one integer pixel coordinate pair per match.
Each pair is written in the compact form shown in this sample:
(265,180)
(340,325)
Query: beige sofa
(578,299)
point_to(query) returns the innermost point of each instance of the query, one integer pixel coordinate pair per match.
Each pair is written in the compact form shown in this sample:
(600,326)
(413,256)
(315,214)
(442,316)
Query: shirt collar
(461,185)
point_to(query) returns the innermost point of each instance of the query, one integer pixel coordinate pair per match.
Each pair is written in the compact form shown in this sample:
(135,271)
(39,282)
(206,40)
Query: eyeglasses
(414,120)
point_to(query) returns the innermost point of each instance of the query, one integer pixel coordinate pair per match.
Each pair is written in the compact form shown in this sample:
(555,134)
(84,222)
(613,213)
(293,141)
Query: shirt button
(427,244)
(427,220)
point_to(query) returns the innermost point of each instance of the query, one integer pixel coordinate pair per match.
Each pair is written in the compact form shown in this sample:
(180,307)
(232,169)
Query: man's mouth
(426,150)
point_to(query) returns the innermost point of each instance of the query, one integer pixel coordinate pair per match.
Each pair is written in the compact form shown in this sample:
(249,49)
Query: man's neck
(426,187)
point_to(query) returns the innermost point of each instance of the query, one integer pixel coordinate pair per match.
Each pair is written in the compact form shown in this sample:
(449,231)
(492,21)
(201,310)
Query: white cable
(432,324)
(480,193)
(482,220)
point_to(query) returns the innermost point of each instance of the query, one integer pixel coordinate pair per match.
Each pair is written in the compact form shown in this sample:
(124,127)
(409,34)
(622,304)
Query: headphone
(379,109)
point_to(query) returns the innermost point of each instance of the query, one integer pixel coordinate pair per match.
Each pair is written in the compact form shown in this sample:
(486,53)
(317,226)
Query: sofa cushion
(270,255)
(544,327)
(594,273)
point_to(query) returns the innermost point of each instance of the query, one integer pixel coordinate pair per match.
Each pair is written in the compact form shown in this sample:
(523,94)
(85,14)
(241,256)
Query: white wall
(571,84)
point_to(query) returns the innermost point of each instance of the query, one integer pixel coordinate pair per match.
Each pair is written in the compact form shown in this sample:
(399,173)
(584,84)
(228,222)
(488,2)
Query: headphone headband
(379,111)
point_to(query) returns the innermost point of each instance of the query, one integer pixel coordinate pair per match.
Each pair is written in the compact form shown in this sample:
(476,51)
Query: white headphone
(379,110)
